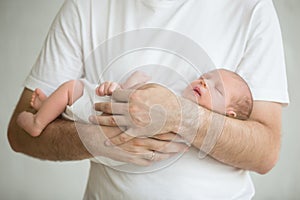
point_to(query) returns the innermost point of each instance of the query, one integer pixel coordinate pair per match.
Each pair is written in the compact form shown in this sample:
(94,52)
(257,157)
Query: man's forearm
(253,144)
(59,141)
(247,145)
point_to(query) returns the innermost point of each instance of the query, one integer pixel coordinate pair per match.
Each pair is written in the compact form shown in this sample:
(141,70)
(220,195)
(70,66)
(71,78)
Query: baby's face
(213,90)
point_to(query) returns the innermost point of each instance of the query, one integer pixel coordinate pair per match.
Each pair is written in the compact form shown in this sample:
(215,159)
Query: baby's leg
(38,96)
(26,120)
(51,108)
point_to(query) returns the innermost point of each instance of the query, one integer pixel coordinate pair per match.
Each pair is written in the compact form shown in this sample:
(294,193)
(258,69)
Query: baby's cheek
(205,100)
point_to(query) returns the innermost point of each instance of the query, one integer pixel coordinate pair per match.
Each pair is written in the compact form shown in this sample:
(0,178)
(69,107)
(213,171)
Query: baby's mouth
(197,91)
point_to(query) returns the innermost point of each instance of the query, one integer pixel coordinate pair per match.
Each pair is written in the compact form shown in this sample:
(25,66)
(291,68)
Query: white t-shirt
(174,41)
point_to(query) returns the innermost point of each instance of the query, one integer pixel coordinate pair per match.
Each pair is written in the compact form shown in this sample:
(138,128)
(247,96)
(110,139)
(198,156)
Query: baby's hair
(241,106)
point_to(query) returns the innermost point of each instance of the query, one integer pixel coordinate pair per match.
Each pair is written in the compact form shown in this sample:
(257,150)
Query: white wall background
(23,27)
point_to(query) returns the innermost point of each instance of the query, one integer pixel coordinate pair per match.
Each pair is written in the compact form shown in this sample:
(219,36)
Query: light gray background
(23,27)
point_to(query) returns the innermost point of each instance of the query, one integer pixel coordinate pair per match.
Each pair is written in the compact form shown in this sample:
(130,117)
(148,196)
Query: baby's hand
(107,88)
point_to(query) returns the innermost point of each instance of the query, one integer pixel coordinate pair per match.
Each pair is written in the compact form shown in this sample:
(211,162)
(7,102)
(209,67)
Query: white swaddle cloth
(83,108)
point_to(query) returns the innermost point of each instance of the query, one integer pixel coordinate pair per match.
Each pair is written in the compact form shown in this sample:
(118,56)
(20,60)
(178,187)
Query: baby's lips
(197,90)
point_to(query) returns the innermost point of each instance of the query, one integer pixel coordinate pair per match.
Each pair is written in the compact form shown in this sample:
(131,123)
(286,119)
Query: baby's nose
(203,83)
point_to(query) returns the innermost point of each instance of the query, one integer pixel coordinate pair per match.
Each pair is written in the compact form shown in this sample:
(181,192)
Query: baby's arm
(135,79)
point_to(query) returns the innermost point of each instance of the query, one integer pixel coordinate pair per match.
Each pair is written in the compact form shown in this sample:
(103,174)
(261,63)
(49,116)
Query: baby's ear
(231,113)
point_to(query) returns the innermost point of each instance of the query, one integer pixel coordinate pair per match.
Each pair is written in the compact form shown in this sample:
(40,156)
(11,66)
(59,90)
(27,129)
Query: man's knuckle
(135,96)
(137,142)
(112,121)
(134,150)
(123,138)
(160,147)
(133,109)
(139,122)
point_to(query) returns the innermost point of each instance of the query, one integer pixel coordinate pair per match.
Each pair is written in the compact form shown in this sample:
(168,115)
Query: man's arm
(253,144)
(59,140)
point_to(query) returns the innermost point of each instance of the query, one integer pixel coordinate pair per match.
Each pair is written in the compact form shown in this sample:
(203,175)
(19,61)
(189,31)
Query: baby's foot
(26,120)
(37,98)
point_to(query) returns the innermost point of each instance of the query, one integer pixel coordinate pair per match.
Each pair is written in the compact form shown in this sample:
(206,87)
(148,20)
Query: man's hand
(164,146)
(138,151)
(150,110)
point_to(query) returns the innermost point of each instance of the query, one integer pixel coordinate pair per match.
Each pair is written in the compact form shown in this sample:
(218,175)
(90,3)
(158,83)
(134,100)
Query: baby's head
(222,91)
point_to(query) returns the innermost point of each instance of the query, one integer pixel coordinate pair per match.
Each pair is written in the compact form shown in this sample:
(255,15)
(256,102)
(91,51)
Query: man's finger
(157,156)
(110,120)
(119,139)
(169,137)
(112,108)
(166,147)
(122,95)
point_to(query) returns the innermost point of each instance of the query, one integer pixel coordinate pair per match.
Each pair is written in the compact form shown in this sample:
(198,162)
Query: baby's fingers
(112,87)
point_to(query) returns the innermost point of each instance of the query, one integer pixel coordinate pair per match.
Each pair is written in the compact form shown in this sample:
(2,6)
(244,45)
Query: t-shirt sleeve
(263,63)
(61,56)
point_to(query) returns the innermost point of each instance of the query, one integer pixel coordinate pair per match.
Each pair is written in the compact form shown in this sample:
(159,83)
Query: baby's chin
(190,96)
